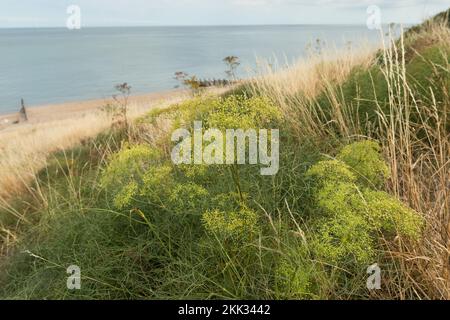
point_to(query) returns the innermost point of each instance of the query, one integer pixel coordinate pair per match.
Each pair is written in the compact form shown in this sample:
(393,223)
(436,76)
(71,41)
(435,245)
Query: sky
(53,13)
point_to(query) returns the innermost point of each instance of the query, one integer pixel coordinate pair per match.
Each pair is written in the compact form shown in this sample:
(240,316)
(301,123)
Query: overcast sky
(52,13)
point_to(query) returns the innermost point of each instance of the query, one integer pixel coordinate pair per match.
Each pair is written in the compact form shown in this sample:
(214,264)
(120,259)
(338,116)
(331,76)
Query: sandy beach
(25,145)
(62,111)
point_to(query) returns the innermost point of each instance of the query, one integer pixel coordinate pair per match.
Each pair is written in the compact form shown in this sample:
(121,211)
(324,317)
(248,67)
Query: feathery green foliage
(353,211)
(142,228)
(365,159)
(231,224)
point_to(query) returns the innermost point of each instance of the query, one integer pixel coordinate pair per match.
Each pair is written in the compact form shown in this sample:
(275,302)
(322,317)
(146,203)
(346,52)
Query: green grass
(366,92)
(141,228)
(166,243)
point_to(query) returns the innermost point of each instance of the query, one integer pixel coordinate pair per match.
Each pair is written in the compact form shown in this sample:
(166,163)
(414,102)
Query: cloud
(344,3)
(188,12)
(257,2)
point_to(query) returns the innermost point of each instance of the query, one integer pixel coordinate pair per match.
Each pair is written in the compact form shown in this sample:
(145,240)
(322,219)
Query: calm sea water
(58,65)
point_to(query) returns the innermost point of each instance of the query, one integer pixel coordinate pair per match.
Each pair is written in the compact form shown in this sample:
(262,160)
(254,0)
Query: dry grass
(420,163)
(296,87)
(25,147)
(420,171)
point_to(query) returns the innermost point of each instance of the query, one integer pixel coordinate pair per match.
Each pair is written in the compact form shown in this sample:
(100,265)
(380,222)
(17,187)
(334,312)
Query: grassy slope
(426,67)
(71,220)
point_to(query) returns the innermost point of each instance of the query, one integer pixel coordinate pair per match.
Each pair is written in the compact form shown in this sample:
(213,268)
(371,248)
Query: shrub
(234,225)
(339,198)
(328,172)
(344,240)
(193,110)
(201,174)
(230,201)
(294,275)
(188,198)
(124,172)
(157,183)
(353,212)
(365,159)
(125,195)
(389,214)
(240,112)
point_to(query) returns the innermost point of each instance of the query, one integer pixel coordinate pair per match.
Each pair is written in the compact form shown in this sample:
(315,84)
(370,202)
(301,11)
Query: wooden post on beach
(23,111)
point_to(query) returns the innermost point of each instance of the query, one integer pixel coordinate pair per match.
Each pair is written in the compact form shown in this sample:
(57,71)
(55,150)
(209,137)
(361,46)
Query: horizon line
(208,25)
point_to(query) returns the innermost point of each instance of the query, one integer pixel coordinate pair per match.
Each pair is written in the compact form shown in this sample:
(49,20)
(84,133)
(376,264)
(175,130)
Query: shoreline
(59,111)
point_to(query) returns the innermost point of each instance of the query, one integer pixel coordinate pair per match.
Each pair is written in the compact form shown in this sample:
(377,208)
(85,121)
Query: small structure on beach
(23,116)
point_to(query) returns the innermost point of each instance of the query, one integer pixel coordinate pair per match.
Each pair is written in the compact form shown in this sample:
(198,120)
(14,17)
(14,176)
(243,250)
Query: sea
(51,65)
